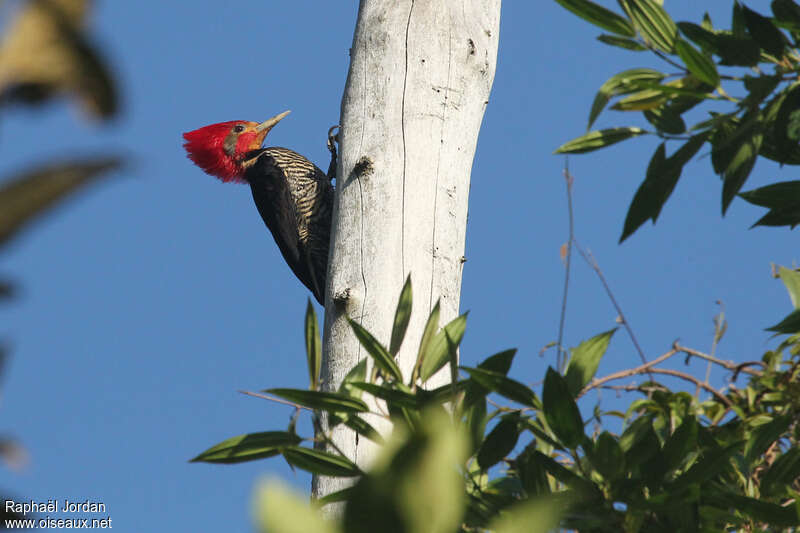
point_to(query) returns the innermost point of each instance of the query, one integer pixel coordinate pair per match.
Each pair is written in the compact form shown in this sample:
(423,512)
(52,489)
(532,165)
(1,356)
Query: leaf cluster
(752,68)
(487,451)
(45,52)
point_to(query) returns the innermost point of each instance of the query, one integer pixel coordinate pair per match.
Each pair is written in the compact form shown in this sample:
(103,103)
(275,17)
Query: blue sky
(145,304)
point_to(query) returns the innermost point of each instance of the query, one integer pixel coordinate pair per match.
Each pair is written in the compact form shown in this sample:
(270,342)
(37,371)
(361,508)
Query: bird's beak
(270,122)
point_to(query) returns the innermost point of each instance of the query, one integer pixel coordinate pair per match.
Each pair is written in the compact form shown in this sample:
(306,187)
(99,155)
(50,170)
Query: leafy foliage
(33,192)
(45,52)
(763,123)
(680,463)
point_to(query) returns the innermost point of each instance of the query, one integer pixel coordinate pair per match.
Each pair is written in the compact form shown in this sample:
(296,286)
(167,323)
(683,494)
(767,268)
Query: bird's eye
(238,128)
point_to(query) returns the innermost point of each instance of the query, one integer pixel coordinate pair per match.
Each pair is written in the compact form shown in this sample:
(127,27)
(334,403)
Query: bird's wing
(275,203)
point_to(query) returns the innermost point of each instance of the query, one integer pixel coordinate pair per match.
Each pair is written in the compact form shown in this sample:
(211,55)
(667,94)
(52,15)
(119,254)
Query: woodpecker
(293,196)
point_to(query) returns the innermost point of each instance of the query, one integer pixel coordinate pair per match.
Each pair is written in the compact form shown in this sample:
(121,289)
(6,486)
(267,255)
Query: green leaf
(738,27)
(621,42)
(444,393)
(789,325)
(248,447)
(599,139)
(427,336)
(543,433)
(476,422)
(738,51)
(759,88)
(764,436)
(706,23)
(783,472)
(560,410)
(334,497)
(775,195)
(320,462)
(532,473)
(394,397)
(529,516)
(641,101)
(705,39)
(438,353)
(334,402)
(357,373)
(313,345)
(787,14)
(783,200)
(584,361)
(666,119)
(764,32)
(640,445)
(606,455)
(780,217)
(599,16)
(505,386)
(732,49)
(413,484)
(452,352)
(635,432)
(499,442)
(401,317)
(698,63)
(563,474)
(279,510)
(708,466)
(364,428)
(499,362)
(679,444)
(25,197)
(782,130)
(383,359)
(655,25)
(791,278)
(621,83)
(688,86)
(773,514)
(662,175)
(744,154)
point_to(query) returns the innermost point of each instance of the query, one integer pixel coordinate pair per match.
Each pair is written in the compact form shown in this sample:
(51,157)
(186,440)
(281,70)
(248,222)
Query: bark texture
(420,76)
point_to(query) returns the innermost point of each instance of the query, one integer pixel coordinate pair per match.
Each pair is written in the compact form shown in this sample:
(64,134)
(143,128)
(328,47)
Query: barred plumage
(295,199)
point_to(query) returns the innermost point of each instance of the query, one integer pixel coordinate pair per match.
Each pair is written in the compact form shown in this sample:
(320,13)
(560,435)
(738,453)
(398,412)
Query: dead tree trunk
(420,76)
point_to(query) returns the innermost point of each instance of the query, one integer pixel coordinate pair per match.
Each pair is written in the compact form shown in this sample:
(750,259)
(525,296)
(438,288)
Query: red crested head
(219,149)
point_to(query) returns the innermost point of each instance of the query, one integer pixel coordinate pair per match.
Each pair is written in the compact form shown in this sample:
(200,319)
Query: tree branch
(642,369)
(729,365)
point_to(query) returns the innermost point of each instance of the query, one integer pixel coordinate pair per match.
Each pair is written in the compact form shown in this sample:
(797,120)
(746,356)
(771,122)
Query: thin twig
(729,365)
(648,368)
(568,180)
(274,399)
(645,368)
(652,387)
(589,258)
